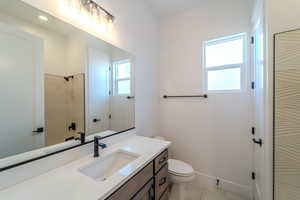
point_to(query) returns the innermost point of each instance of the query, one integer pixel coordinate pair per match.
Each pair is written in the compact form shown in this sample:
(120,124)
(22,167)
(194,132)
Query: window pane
(123,70)
(124,87)
(226,79)
(226,53)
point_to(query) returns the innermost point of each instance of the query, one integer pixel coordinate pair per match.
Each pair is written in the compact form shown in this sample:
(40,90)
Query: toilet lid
(178,167)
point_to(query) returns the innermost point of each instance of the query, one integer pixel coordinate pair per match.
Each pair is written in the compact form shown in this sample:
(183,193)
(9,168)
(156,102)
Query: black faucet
(97,144)
(82,137)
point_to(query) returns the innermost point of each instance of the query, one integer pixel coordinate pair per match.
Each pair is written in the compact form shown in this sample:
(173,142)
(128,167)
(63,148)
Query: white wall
(136,31)
(76,53)
(214,135)
(280,16)
(54,44)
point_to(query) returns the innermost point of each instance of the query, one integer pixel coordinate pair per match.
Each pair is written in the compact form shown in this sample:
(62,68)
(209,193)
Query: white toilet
(180,174)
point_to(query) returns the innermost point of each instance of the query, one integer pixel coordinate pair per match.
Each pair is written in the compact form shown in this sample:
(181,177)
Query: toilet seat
(179,168)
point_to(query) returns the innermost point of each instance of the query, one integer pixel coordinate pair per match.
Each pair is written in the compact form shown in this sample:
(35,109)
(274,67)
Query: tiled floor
(194,193)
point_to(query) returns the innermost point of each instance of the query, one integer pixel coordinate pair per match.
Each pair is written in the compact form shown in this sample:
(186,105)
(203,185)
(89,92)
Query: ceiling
(25,12)
(165,8)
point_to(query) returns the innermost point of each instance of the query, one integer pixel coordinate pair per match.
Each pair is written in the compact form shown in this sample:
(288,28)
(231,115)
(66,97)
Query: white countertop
(47,150)
(67,183)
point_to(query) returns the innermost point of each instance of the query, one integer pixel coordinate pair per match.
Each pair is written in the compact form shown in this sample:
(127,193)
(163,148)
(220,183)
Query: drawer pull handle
(162,160)
(162,181)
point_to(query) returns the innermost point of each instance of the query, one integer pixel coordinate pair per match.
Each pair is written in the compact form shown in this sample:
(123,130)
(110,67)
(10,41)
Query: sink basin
(103,168)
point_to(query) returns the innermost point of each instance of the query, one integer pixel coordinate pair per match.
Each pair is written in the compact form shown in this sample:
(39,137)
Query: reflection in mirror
(58,81)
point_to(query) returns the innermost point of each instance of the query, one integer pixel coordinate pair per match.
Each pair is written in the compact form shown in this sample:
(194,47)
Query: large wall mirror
(57,81)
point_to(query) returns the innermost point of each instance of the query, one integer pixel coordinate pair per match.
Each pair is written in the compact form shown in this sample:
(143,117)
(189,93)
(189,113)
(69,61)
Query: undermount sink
(105,167)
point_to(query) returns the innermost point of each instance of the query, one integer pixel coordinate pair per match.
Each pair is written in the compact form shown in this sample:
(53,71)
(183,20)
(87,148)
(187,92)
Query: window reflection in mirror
(122,77)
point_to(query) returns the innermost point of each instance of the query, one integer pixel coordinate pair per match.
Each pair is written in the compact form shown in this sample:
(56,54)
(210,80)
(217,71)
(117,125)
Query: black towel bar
(187,96)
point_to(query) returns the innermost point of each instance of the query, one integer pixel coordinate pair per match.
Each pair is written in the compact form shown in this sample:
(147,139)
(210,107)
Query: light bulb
(110,20)
(43,18)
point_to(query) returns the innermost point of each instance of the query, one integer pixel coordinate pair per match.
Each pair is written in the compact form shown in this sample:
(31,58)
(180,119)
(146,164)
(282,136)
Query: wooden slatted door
(287,116)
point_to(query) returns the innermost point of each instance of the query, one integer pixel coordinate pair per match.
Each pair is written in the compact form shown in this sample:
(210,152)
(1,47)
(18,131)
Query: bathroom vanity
(131,167)
(150,183)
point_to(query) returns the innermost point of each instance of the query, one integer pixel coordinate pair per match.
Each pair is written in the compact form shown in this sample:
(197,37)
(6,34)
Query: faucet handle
(102,145)
(96,141)
(98,137)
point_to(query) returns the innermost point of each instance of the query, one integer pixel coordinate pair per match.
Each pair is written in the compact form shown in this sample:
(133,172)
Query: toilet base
(179,184)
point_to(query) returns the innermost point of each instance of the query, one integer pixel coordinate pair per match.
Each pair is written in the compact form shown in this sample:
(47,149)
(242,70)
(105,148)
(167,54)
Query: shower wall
(287,116)
(64,105)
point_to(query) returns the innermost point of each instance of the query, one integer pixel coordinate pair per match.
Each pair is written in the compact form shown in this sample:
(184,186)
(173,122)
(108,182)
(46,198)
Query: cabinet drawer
(127,191)
(165,195)
(161,160)
(161,182)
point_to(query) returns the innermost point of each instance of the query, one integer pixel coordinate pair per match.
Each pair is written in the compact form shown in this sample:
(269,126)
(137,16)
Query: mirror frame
(17,164)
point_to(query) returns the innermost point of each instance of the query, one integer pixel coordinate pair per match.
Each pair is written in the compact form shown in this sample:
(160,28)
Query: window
(122,77)
(224,64)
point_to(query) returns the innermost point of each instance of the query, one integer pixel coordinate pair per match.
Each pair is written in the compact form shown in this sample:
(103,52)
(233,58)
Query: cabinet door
(165,195)
(147,193)
(134,185)
(161,182)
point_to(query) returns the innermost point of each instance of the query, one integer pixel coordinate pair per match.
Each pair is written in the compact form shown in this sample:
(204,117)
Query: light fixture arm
(88,4)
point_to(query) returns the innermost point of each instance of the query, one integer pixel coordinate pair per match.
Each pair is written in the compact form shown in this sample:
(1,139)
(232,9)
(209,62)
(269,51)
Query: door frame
(261,191)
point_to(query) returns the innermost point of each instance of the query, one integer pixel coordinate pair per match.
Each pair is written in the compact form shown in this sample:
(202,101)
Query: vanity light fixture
(93,9)
(43,18)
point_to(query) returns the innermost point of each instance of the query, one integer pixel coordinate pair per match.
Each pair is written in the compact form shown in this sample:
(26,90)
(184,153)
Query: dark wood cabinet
(161,175)
(151,183)
(165,195)
(161,182)
(161,160)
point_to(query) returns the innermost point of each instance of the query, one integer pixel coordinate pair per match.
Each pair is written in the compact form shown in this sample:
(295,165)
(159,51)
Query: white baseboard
(210,182)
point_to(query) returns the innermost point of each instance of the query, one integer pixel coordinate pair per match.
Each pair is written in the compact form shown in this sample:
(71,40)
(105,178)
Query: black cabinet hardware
(253,130)
(96,120)
(162,181)
(253,175)
(67,78)
(162,160)
(252,40)
(39,130)
(72,126)
(253,85)
(130,97)
(258,142)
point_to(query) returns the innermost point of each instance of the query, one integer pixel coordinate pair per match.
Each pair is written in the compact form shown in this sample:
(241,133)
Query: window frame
(242,66)
(117,80)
